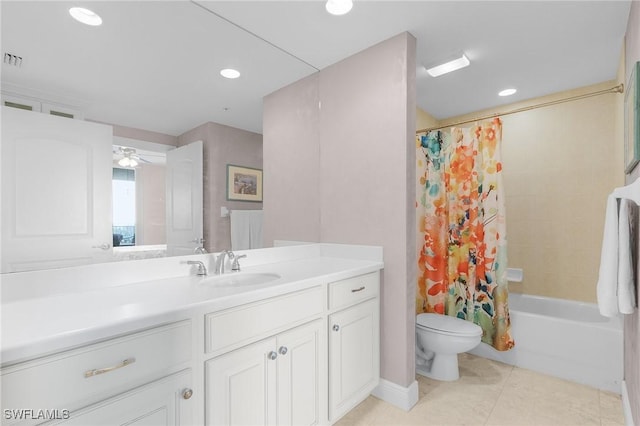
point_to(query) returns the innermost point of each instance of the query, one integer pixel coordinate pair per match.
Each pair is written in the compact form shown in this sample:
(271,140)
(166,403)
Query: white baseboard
(397,395)
(626,405)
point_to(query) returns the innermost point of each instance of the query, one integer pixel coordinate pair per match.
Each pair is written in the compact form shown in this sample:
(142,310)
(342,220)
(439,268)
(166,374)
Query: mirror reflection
(160,91)
(138,198)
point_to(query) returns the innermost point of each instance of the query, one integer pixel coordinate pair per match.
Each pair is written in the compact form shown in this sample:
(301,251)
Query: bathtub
(563,338)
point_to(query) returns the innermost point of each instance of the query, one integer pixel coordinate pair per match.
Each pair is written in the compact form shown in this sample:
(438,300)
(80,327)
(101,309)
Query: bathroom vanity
(292,339)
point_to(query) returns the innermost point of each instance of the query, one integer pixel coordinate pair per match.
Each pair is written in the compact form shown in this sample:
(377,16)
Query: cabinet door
(241,386)
(354,358)
(165,402)
(300,372)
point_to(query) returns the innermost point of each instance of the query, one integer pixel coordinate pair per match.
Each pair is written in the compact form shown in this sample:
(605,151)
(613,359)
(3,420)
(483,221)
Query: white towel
(608,275)
(246,229)
(616,287)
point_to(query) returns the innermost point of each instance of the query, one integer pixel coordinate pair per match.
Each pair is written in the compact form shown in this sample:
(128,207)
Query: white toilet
(439,340)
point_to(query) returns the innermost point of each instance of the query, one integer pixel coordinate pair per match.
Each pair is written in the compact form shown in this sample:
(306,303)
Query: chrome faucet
(220,261)
(202,270)
(200,250)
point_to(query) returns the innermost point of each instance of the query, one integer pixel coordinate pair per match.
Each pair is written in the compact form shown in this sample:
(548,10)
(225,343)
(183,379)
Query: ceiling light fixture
(129,158)
(85,16)
(230,73)
(447,67)
(339,7)
(128,162)
(507,92)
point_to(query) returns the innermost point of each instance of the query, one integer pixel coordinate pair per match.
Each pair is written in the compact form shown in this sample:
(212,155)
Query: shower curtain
(461,224)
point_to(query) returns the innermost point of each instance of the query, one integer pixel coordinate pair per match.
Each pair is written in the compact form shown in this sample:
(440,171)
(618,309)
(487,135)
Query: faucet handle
(202,270)
(235,266)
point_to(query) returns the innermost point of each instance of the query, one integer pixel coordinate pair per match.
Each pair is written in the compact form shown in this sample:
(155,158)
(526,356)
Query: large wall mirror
(150,68)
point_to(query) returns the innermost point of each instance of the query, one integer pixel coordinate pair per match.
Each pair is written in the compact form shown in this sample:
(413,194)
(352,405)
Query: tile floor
(493,393)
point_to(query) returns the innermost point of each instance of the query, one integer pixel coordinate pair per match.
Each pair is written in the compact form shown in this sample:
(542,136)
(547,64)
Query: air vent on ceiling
(13,60)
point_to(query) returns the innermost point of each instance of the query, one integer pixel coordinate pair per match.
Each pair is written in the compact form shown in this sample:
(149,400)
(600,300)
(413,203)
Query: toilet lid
(448,324)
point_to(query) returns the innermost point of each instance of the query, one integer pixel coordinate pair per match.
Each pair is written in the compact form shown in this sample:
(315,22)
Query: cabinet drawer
(228,329)
(79,377)
(353,290)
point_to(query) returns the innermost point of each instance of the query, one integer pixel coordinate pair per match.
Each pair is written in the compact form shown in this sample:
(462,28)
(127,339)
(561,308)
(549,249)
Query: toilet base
(444,367)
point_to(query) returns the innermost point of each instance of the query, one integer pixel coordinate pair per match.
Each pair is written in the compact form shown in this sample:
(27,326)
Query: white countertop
(37,326)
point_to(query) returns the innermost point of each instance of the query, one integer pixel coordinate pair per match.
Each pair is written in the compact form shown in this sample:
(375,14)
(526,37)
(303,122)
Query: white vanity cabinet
(354,342)
(278,379)
(302,351)
(117,381)
(304,358)
(165,402)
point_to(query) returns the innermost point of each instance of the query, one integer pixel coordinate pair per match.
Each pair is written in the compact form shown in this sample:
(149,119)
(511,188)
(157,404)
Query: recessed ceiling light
(230,73)
(447,67)
(339,7)
(85,16)
(507,92)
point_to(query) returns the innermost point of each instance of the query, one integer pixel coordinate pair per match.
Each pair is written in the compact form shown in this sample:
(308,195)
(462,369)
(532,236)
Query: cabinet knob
(187,393)
(336,327)
(283,350)
(272,355)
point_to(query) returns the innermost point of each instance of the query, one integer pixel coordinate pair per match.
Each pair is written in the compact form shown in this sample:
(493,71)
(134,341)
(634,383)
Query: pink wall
(223,145)
(291,162)
(142,135)
(151,195)
(343,171)
(632,322)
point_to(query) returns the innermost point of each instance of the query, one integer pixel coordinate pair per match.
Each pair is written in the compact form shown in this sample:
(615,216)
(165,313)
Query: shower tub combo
(565,339)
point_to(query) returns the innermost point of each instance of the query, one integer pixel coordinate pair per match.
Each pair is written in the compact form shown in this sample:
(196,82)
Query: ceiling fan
(129,157)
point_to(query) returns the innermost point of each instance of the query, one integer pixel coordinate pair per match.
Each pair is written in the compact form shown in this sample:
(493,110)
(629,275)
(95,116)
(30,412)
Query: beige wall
(351,158)
(632,322)
(424,120)
(223,145)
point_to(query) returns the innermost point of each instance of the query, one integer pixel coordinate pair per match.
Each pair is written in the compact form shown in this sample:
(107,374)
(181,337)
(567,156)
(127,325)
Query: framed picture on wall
(244,183)
(632,120)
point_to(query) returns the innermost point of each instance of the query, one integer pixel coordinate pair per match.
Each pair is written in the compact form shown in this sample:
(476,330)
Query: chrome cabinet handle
(355,290)
(336,327)
(187,393)
(105,246)
(197,240)
(272,355)
(98,371)
(283,350)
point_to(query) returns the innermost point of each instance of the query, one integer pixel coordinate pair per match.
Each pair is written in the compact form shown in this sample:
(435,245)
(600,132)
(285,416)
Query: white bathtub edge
(559,367)
(397,395)
(626,405)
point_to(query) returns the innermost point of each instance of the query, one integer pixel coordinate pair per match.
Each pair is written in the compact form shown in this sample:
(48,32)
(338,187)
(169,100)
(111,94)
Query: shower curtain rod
(617,89)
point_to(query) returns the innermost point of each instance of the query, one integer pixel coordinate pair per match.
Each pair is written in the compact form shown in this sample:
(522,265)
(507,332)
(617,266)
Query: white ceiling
(154,65)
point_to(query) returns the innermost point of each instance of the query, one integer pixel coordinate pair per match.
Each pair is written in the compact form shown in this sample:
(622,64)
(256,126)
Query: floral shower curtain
(463,254)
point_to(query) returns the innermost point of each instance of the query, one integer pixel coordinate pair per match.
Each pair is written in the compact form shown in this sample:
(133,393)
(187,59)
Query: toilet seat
(446,324)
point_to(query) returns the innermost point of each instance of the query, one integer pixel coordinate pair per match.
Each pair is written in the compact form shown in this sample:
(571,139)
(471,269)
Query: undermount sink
(241,278)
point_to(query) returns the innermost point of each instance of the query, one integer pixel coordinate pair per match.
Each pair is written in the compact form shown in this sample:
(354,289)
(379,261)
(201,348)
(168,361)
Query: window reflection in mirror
(124,207)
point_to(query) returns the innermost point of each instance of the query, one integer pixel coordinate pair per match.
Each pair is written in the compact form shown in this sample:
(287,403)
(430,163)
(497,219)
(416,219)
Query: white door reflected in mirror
(56,191)
(184,199)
